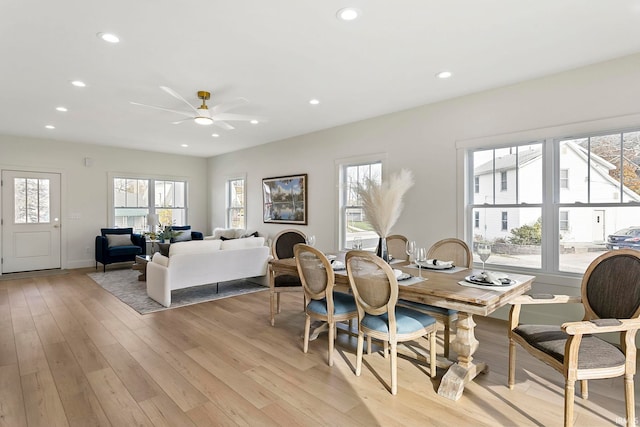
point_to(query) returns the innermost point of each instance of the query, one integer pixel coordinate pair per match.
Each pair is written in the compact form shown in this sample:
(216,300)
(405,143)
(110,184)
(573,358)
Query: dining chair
(375,289)
(323,303)
(397,247)
(450,249)
(610,295)
(282,247)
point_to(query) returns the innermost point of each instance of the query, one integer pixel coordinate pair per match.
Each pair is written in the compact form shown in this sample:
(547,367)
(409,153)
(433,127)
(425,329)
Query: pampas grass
(382,203)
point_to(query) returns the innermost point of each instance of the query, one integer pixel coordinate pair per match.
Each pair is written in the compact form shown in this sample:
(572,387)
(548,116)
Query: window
(235,203)
(564,178)
(352,220)
(135,198)
(476,184)
(31,200)
(602,197)
(564,220)
(503,181)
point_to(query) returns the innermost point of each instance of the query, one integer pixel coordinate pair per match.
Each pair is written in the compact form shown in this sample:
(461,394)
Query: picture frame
(285,199)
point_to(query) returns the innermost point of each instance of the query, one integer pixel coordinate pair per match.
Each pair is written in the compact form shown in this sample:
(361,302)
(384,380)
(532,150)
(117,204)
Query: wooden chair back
(283,243)
(451,249)
(397,247)
(315,272)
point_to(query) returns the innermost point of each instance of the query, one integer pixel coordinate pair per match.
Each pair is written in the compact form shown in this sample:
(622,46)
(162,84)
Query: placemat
(489,288)
(448,270)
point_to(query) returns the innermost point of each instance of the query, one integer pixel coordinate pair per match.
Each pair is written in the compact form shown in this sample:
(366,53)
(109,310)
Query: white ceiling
(278,54)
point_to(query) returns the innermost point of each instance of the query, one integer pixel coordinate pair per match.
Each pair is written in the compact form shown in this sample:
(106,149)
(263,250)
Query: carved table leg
(460,373)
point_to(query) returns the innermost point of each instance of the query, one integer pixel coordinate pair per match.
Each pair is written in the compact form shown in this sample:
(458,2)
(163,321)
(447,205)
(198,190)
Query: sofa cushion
(119,240)
(228,233)
(249,242)
(116,251)
(195,246)
(183,236)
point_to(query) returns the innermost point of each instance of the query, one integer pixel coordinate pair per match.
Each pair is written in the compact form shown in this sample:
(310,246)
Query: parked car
(626,238)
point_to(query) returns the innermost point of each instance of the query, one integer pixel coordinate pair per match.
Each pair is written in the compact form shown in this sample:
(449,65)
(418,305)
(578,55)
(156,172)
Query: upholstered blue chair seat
(407,320)
(124,250)
(432,308)
(594,352)
(342,304)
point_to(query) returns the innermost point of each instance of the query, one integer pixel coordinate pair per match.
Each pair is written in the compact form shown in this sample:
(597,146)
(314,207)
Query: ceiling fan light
(205,121)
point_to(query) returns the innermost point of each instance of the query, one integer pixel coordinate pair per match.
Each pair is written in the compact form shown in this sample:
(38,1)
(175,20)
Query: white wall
(425,140)
(85,189)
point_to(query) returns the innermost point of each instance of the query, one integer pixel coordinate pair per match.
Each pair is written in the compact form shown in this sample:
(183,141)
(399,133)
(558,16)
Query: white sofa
(200,262)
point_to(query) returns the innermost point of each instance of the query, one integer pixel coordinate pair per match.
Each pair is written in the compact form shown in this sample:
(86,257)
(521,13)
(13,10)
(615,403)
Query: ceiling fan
(202,115)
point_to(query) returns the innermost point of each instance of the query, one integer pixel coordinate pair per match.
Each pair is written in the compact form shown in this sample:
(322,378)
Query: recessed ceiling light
(314,102)
(78,83)
(254,122)
(215,135)
(348,13)
(108,37)
(62,109)
(50,126)
(184,145)
(444,74)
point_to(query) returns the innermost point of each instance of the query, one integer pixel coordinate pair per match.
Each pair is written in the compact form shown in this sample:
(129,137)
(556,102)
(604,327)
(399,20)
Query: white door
(598,226)
(30,221)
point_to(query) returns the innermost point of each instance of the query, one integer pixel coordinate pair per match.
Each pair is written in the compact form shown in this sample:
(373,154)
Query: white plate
(404,276)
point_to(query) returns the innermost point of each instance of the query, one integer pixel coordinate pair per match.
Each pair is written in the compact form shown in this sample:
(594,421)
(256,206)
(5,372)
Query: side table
(141,266)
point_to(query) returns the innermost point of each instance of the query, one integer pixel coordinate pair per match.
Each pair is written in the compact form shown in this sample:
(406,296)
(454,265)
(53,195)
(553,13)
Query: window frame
(151,208)
(229,209)
(341,165)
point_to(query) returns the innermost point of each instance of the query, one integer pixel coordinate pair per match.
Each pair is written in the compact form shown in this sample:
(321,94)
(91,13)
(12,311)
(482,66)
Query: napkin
(439,263)
(397,272)
(490,277)
(337,265)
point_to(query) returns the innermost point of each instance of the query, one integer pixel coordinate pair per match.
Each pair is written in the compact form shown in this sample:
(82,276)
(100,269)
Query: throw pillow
(254,234)
(119,240)
(226,238)
(164,248)
(184,236)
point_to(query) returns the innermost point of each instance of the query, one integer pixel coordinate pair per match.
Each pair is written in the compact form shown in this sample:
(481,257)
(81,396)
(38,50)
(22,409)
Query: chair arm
(101,247)
(589,327)
(139,240)
(546,299)
(196,235)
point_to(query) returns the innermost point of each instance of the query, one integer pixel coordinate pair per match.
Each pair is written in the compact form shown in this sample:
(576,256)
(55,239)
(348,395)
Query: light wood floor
(72,354)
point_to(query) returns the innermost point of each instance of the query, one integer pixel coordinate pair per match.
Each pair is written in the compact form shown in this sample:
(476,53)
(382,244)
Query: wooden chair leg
(512,364)
(332,337)
(359,351)
(584,389)
(272,307)
(629,400)
(394,369)
(385,349)
(569,397)
(432,354)
(368,344)
(307,327)
(447,337)
(278,302)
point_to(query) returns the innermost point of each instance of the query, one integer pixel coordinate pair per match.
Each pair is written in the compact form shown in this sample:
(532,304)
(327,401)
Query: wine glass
(484,251)
(311,240)
(410,249)
(421,256)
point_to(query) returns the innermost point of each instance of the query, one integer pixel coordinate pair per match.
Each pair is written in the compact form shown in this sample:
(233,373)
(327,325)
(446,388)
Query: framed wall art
(285,199)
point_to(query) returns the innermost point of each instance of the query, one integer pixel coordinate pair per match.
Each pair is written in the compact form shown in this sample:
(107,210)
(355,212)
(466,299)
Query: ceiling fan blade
(178,96)
(163,108)
(237,117)
(182,121)
(226,106)
(223,125)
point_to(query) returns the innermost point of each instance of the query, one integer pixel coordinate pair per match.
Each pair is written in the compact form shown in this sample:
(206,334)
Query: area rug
(124,284)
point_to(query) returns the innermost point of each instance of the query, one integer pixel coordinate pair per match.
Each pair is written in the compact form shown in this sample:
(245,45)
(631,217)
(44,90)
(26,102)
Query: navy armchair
(118,245)
(185,234)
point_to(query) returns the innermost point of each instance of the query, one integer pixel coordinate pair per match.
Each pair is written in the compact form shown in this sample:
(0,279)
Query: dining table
(447,289)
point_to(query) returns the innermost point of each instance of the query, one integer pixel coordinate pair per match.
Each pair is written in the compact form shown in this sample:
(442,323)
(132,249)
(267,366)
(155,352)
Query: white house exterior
(589,225)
